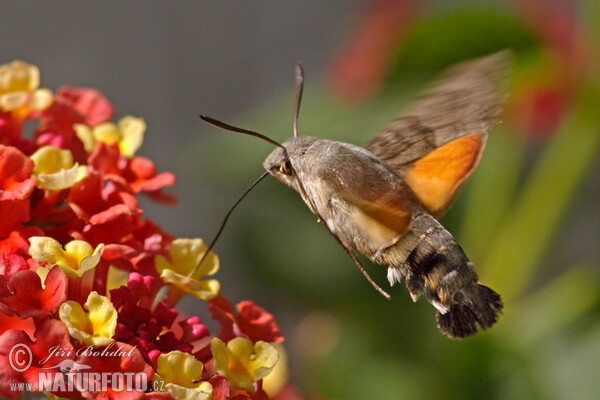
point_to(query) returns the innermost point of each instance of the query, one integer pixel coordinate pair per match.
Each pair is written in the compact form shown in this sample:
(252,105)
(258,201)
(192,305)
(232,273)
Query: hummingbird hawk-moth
(383,199)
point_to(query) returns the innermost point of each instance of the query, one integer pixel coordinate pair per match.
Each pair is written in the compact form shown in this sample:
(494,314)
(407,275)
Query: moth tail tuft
(477,307)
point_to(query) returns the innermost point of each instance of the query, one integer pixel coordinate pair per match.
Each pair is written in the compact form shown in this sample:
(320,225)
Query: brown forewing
(467,98)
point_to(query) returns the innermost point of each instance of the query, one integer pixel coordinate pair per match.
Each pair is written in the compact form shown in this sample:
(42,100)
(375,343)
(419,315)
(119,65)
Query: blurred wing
(467,98)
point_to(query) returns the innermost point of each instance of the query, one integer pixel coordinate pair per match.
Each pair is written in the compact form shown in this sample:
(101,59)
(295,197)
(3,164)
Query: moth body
(348,187)
(371,209)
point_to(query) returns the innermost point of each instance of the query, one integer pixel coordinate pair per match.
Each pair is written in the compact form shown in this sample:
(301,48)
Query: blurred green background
(529,218)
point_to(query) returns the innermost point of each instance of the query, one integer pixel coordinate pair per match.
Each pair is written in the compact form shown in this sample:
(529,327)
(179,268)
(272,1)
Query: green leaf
(527,231)
(550,308)
(491,192)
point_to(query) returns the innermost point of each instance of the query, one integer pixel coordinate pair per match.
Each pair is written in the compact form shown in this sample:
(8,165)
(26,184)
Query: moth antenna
(232,128)
(210,247)
(348,251)
(299,86)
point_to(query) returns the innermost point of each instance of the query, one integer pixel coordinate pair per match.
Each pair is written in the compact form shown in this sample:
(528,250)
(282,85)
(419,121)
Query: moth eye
(286,168)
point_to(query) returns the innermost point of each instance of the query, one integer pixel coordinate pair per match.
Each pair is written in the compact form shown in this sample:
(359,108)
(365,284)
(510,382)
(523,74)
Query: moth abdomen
(472,306)
(437,266)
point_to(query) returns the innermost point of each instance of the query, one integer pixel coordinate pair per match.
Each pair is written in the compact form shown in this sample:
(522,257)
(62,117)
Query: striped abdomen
(431,262)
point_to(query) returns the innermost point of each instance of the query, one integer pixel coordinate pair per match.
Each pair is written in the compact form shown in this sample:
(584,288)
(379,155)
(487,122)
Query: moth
(383,200)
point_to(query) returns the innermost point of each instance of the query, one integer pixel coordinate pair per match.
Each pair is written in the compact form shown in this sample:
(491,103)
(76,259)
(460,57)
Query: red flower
(56,128)
(138,172)
(14,255)
(109,210)
(252,321)
(257,323)
(121,360)
(16,185)
(24,296)
(15,174)
(152,238)
(141,175)
(220,386)
(96,203)
(222,311)
(10,132)
(52,346)
(91,103)
(12,214)
(13,322)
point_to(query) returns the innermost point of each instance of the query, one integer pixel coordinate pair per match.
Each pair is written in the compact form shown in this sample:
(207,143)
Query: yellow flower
(181,271)
(19,91)
(77,257)
(54,168)
(115,278)
(128,134)
(182,374)
(94,328)
(243,363)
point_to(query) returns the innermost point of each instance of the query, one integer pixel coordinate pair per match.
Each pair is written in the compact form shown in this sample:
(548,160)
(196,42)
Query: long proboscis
(232,128)
(214,241)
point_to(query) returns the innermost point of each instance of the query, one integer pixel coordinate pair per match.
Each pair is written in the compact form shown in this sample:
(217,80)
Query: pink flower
(360,68)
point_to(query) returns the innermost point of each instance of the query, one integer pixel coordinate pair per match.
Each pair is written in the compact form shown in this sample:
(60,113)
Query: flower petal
(202,290)
(243,363)
(50,159)
(45,249)
(257,323)
(90,102)
(204,391)
(26,297)
(75,318)
(102,315)
(15,174)
(63,179)
(96,327)
(40,99)
(132,130)
(19,76)
(180,368)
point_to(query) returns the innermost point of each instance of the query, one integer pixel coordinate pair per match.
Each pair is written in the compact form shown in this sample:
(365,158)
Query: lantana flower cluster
(89,285)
